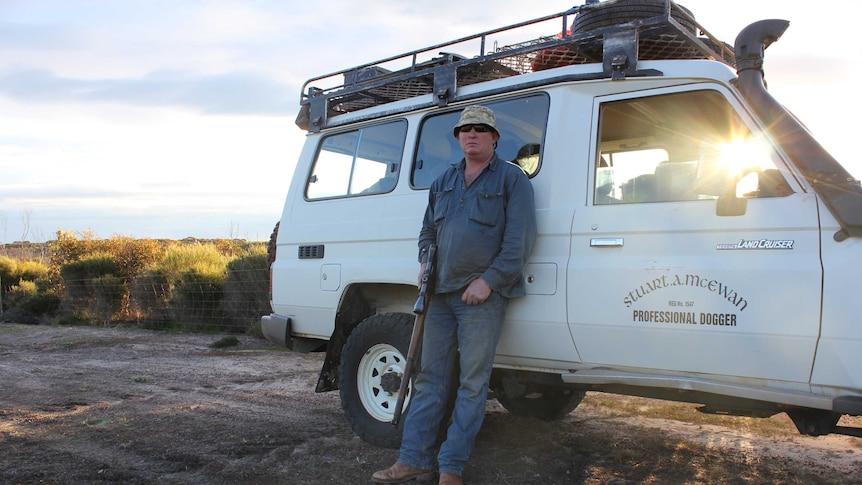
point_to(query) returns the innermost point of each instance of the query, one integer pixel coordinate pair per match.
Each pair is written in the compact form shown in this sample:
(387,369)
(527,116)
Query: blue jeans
(452,325)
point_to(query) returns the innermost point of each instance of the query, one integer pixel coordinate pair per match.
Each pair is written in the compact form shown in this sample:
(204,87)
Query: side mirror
(734,201)
(730,205)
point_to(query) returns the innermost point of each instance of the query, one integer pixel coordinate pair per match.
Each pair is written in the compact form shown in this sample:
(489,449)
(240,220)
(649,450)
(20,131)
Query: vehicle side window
(680,147)
(521,123)
(359,162)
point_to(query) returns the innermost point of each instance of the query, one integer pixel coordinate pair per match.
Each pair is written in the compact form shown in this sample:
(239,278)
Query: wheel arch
(358,302)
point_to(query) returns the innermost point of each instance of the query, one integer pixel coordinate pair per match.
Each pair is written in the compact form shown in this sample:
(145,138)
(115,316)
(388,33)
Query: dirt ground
(88,406)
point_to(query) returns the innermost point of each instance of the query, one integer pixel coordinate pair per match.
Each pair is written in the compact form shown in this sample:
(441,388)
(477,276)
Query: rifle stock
(426,290)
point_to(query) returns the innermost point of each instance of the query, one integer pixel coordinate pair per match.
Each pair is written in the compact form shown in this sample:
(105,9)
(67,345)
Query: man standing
(481,215)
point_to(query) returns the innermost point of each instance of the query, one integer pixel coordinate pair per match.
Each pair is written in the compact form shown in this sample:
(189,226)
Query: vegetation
(212,285)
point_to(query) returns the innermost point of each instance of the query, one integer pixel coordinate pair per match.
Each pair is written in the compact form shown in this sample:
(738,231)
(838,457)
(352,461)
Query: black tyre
(270,248)
(369,375)
(814,422)
(625,11)
(546,404)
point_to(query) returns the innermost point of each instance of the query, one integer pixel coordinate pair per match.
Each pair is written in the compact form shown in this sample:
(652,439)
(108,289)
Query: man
(481,216)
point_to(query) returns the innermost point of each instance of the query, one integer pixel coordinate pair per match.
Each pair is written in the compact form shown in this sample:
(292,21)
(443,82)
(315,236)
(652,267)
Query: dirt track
(87,406)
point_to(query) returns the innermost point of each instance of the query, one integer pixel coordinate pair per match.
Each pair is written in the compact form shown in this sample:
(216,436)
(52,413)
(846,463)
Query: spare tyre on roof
(658,41)
(611,14)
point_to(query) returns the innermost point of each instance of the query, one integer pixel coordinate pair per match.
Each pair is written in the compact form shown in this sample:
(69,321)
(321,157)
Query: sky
(175,118)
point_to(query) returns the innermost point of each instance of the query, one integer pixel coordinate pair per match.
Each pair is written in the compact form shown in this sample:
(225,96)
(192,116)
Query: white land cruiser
(695,242)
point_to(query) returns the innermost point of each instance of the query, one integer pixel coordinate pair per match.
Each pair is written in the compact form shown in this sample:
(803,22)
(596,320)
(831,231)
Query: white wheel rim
(378,360)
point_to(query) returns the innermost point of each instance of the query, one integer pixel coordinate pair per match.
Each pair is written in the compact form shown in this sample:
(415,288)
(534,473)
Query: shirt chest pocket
(488,209)
(442,200)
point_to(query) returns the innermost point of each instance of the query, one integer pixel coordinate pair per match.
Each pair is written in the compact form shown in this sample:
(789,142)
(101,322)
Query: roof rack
(670,35)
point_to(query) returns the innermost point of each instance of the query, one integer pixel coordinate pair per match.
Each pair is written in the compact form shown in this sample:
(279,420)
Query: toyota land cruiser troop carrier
(695,242)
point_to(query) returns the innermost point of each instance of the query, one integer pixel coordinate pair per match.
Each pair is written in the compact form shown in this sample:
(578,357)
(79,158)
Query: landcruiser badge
(758,244)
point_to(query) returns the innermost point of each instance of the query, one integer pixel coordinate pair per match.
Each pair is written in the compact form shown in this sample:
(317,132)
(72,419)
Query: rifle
(426,290)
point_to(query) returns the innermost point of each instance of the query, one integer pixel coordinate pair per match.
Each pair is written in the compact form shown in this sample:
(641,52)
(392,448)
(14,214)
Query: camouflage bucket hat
(476,115)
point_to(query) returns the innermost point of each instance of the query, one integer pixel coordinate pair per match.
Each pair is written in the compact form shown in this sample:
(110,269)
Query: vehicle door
(698,251)
(536,329)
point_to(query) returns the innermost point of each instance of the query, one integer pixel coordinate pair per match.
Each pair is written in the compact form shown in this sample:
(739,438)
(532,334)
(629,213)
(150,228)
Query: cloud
(29,38)
(233,92)
(42,223)
(12,194)
(121,115)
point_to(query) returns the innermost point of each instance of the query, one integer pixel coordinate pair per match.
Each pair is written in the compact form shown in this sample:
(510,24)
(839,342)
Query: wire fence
(233,302)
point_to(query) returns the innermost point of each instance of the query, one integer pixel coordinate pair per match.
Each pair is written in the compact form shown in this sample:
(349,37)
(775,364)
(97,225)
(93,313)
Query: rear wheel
(543,403)
(369,376)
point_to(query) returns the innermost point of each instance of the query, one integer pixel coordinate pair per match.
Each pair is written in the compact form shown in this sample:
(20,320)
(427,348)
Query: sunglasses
(478,128)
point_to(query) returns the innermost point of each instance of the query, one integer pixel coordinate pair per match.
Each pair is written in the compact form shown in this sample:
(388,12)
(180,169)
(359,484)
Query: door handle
(606,242)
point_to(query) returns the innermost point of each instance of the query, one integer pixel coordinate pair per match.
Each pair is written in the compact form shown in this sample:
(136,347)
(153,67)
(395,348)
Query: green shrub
(43,303)
(196,299)
(109,294)
(18,315)
(218,284)
(75,318)
(28,304)
(148,299)
(203,259)
(246,291)
(88,268)
(8,271)
(48,284)
(184,287)
(86,283)
(32,270)
(21,292)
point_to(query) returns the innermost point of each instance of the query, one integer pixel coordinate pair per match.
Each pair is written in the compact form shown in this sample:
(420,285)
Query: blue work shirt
(485,230)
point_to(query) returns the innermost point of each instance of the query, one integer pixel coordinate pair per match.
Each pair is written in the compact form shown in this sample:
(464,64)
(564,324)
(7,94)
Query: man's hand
(476,293)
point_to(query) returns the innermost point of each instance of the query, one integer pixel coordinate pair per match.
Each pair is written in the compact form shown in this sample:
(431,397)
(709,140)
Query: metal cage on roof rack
(603,32)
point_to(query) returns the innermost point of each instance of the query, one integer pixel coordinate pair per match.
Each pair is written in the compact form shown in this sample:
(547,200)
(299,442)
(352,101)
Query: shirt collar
(495,160)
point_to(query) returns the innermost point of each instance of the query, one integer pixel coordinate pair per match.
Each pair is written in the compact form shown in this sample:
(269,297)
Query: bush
(76,318)
(43,303)
(91,287)
(246,290)
(149,295)
(218,285)
(88,268)
(20,293)
(133,256)
(197,299)
(186,284)
(32,270)
(29,304)
(203,259)
(109,295)
(68,248)
(8,271)
(78,276)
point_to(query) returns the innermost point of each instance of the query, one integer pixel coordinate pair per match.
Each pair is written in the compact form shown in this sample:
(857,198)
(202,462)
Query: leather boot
(450,479)
(400,473)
